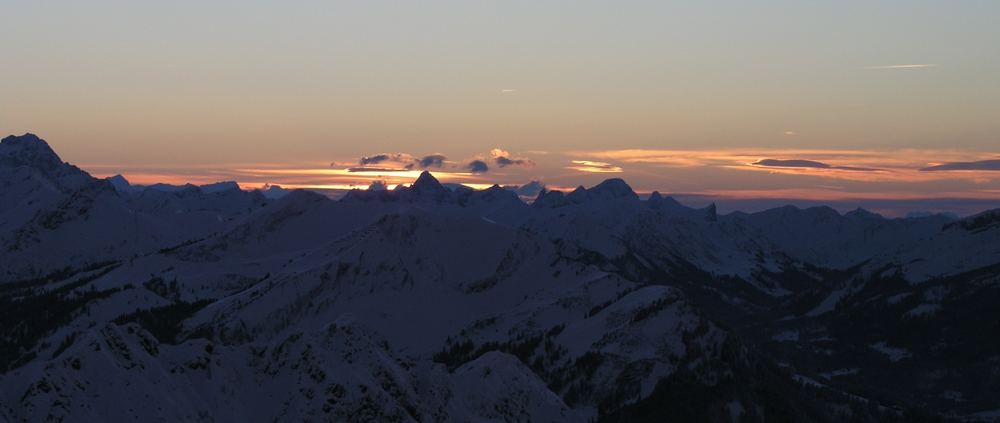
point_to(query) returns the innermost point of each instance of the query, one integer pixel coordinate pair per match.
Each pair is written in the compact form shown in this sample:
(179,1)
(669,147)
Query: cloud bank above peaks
(816,174)
(399,161)
(903,165)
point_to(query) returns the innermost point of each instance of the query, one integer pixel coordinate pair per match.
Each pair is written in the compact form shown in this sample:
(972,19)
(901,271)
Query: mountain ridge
(431,304)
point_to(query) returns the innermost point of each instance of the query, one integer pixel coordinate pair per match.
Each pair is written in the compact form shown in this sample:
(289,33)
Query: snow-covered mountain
(438,303)
(56,217)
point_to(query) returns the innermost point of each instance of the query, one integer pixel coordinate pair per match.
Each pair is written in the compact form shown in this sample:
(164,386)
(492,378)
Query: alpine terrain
(435,303)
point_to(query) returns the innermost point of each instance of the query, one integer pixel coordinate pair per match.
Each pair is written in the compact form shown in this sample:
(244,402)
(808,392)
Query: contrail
(912,66)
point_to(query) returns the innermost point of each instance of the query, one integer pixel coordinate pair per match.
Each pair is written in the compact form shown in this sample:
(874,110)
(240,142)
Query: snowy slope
(436,303)
(58,216)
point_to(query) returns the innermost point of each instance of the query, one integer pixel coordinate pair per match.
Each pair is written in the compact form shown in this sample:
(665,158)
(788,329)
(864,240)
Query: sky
(742,103)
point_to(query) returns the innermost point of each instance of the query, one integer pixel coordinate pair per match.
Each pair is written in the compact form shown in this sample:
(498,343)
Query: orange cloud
(857,165)
(821,174)
(594,167)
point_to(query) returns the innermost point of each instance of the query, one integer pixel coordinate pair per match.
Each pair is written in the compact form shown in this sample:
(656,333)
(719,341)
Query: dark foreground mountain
(431,303)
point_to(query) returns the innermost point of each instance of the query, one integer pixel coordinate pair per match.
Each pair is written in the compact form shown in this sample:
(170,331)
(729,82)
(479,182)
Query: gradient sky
(822,101)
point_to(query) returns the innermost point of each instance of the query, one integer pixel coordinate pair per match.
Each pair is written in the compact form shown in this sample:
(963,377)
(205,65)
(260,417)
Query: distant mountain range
(444,303)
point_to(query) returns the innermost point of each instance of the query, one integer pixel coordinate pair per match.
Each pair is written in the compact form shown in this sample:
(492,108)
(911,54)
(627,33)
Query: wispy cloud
(400,161)
(594,167)
(988,165)
(749,172)
(378,158)
(370,169)
(810,164)
(857,165)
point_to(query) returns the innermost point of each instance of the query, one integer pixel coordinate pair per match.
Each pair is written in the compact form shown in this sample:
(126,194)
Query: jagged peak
(980,222)
(120,183)
(614,188)
(862,213)
(28,150)
(458,188)
(219,187)
(671,207)
(610,189)
(31,152)
(823,211)
(427,183)
(273,192)
(711,213)
(374,194)
(27,140)
(548,198)
(660,201)
(426,187)
(493,194)
(530,189)
(298,196)
(493,191)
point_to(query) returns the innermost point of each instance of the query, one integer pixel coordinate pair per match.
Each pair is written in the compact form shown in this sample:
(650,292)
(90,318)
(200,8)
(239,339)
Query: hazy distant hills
(438,303)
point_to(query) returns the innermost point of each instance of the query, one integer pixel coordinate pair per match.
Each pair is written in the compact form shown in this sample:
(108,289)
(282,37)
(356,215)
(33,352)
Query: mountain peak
(578,195)
(219,187)
(711,213)
(861,213)
(273,192)
(427,187)
(28,150)
(427,183)
(613,188)
(989,219)
(27,138)
(530,189)
(548,198)
(119,178)
(120,183)
(31,152)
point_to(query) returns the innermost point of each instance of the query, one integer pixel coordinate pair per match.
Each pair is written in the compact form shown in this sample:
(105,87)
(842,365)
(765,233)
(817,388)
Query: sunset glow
(778,173)
(480,211)
(674,101)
